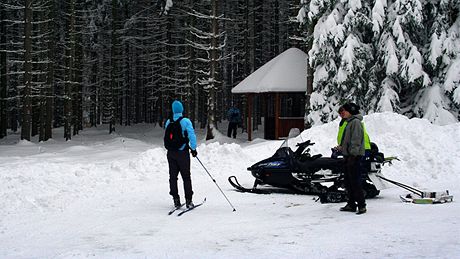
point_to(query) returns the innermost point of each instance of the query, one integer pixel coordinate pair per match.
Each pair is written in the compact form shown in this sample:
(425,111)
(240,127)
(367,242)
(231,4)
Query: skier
(179,137)
(352,146)
(234,119)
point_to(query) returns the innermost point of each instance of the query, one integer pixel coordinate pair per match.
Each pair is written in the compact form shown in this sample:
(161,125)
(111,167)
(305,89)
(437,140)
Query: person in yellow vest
(367,141)
(351,140)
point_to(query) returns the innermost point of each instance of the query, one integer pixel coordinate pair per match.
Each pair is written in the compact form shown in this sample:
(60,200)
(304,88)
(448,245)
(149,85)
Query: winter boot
(361,210)
(349,207)
(189,204)
(177,202)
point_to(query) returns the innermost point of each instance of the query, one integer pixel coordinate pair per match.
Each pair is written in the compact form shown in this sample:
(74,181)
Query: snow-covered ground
(106,196)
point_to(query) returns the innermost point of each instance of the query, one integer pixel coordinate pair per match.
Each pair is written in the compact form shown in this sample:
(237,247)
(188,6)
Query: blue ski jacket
(185,124)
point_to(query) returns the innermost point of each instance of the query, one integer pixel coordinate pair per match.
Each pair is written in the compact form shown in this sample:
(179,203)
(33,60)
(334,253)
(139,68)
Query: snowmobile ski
(175,209)
(270,190)
(234,182)
(192,208)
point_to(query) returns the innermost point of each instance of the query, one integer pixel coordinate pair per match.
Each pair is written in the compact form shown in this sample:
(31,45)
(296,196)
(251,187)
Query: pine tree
(383,91)
(208,42)
(442,55)
(322,23)
(395,56)
(356,54)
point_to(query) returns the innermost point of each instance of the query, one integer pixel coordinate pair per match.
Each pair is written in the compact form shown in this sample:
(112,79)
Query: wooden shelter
(283,83)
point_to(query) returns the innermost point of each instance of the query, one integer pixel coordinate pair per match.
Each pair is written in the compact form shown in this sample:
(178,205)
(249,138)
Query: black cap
(352,108)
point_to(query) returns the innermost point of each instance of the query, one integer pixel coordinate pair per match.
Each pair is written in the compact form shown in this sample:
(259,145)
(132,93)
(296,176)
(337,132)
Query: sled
(422,197)
(429,198)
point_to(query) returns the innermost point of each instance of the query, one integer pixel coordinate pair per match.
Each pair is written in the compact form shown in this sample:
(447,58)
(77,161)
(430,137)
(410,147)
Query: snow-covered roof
(287,72)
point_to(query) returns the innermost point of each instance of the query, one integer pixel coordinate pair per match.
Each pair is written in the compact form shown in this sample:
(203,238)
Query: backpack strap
(178,121)
(171,119)
(185,131)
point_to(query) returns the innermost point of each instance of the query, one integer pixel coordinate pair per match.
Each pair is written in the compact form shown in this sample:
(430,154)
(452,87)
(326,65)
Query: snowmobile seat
(324,163)
(306,157)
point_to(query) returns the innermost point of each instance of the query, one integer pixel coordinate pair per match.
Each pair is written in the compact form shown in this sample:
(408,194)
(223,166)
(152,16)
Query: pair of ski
(185,210)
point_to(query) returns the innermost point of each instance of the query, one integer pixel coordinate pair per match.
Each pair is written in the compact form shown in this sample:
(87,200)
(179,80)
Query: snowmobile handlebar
(301,147)
(390,159)
(305,144)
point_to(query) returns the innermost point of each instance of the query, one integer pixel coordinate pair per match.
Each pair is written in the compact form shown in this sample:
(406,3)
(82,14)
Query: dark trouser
(232,127)
(353,181)
(179,161)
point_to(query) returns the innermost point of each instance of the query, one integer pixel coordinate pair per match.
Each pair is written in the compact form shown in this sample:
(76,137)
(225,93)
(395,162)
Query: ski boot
(361,210)
(349,207)
(189,204)
(177,202)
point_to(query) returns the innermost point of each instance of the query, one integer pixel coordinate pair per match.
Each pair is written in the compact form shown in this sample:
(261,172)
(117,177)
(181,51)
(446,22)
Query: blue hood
(185,123)
(177,107)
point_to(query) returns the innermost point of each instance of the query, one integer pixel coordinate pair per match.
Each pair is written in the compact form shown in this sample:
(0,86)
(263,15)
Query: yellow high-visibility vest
(367,141)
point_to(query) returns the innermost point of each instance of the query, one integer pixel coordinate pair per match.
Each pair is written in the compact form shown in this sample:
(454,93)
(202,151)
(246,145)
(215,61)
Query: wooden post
(277,115)
(250,117)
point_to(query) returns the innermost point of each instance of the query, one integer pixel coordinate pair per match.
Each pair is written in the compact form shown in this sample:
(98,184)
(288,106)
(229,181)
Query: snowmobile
(300,172)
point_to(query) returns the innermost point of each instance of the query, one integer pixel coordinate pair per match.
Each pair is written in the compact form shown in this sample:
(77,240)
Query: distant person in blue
(234,119)
(179,138)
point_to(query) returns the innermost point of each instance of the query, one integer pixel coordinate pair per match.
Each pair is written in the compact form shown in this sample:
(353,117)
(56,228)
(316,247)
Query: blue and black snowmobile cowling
(299,172)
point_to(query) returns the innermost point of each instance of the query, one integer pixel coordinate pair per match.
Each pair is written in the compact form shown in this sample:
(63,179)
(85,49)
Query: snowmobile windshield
(290,142)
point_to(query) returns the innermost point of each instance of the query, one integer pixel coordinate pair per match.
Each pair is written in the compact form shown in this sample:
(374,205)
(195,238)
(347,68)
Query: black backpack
(173,138)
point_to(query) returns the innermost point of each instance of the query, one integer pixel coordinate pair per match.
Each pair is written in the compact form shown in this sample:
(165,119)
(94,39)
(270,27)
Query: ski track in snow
(106,196)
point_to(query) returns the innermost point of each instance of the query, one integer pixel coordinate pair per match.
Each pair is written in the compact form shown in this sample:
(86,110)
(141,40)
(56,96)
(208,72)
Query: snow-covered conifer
(437,101)
(401,56)
(324,35)
(341,55)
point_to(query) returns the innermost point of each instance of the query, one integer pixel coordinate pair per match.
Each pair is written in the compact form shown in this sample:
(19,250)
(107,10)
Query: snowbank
(106,196)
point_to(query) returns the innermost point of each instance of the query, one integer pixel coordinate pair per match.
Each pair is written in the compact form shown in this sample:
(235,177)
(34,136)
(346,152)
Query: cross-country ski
(176,209)
(191,208)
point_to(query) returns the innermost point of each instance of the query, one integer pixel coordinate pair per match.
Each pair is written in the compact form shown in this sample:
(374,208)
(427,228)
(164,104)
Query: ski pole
(216,184)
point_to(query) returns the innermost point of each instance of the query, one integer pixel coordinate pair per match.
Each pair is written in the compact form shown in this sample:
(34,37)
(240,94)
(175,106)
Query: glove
(335,153)
(194,153)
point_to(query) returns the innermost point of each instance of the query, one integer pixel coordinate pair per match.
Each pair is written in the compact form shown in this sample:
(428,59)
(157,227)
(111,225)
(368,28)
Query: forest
(79,63)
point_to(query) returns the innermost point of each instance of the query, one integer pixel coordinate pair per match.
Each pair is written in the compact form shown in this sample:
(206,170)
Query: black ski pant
(353,181)
(179,162)
(232,127)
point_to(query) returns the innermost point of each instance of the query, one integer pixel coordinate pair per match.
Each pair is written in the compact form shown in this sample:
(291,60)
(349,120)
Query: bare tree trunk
(26,101)
(49,92)
(40,67)
(68,120)
(114,70)
(213,74)
(3,71)
(77,98)
(127,90)
(41,100)
(310,72)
